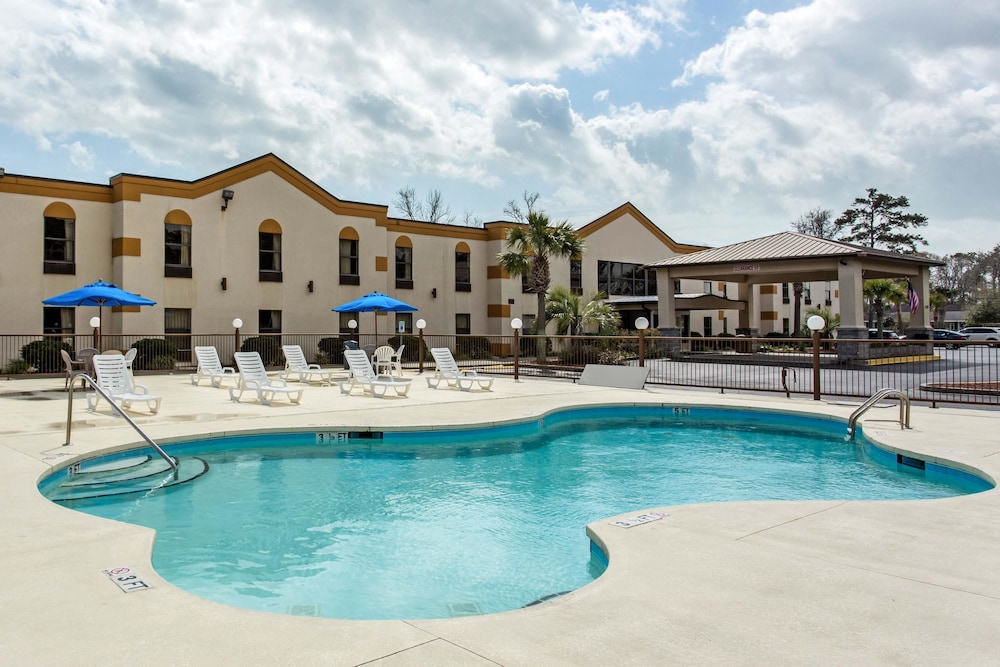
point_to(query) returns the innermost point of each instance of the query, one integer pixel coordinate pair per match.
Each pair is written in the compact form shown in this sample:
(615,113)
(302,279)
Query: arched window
(349,264)
(59,237)
(404,263)
(463,268)
(177,245)
(269,252)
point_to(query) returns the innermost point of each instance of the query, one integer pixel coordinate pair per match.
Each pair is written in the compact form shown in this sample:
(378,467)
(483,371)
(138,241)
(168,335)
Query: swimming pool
(446,523)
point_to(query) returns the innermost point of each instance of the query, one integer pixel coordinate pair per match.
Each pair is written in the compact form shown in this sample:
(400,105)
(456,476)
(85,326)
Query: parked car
(982,333)
(886,335)
(948,337)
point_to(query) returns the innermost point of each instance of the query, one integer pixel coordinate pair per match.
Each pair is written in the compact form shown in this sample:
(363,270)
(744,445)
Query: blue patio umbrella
(98,294)
(375,302)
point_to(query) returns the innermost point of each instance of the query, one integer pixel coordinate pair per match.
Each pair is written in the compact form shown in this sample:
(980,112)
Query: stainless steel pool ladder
(114,406)
(904,409)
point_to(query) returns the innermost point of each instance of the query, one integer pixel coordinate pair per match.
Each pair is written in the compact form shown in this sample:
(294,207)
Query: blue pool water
(439,524)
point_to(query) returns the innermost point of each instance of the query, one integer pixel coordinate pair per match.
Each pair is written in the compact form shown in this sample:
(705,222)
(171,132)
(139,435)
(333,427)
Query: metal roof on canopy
(790,256)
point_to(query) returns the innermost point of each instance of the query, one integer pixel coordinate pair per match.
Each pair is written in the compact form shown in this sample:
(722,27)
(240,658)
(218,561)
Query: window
(269,324)
(404,263)
(828,296)
(177,245)
(785,325)
(677,286)
(269,252)
(345,319)
(463,268)
(60,241)
(349,263)
(706,287)
(785,296)
(528,323)
(807,294)
(707,324)
(525,286)
(177,330)
(463,323)
(404,323)
(58,320)
(625,279)
(576,276)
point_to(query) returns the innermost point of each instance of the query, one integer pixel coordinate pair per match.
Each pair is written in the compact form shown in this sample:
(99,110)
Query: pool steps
(139,474)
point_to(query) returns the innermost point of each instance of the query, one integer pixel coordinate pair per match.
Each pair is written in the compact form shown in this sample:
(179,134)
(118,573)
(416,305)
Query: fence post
(420,328)
(816,323)
(640,324)
(515,324)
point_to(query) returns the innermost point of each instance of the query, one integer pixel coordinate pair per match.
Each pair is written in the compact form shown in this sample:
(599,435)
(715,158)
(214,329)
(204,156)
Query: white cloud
(791,110)
(80,155)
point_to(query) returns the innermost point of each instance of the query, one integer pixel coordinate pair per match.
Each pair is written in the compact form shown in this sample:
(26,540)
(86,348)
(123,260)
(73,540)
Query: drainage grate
(464,609)
(911,462)
(303,610)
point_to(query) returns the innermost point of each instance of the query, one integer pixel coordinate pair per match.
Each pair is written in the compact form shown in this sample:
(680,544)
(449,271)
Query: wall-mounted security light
(227,196)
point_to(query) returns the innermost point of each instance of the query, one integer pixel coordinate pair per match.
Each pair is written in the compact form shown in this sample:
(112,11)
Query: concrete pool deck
(820,582)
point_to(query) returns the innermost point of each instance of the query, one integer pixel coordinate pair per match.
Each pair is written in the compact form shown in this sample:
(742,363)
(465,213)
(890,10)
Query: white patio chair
(130,355)
(72,367)
(210,367)
(382,359)
(86,355)
(253,377)
(397,360)
(296,364)
(113,377)
(447,371)
(365,377)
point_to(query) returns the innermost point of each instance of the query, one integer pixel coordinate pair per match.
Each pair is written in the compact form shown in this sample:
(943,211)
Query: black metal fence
(959,372)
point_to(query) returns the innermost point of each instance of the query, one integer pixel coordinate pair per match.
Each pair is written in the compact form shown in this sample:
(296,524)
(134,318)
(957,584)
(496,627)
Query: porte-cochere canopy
(793,257)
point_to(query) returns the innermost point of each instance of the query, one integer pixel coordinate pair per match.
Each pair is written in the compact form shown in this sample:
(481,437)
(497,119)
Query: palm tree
(572,313)
(832,321)
(529,247)
(938,301)
(880,292)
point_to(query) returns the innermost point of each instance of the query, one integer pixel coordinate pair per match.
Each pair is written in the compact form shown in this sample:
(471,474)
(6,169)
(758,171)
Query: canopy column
(920,319)
(666,309)
(852,310)
(748,316)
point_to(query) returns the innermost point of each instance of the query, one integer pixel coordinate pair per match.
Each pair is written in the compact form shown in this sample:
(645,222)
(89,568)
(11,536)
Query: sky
(720,120)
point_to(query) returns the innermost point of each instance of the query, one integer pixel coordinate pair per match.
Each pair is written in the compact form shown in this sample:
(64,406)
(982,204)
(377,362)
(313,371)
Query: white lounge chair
(296,364)
(447,371)
(210,367)
(253,377)
(113,377)
(364,376)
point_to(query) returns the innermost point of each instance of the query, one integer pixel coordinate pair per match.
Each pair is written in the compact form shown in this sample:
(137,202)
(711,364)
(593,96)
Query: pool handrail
(114,406)
(887,392)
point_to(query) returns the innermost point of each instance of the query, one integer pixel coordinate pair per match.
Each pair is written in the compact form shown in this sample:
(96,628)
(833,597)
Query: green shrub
(150,354)
(332,349)
(529,346)
(268,347)
(412,350)
(473,347)
(162,362)
(612,358)
(582,354)
(17,367)
(43,355)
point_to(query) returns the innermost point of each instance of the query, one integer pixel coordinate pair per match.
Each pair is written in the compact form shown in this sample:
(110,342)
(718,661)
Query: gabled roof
(629,209)
(783,246)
